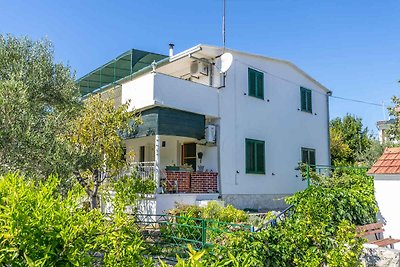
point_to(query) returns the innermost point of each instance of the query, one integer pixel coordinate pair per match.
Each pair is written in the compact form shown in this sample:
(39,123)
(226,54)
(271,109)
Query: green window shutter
(312,157)
(256,83)
(252,82)
(309,101)
(260,156)
(250,159)
(304,155)
(303,98)
(255,156)
(306,100)
(260,85)
(308,156)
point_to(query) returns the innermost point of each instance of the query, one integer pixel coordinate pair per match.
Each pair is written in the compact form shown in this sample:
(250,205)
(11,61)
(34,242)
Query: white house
(386,172)
(383,127)
(236,135)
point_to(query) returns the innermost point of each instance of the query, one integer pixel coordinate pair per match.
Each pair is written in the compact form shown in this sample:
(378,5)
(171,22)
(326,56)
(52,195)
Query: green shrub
(40,228)
(321,232)
(213,211)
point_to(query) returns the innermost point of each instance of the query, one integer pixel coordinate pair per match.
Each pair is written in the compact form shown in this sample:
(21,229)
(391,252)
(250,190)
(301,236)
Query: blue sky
(352,47)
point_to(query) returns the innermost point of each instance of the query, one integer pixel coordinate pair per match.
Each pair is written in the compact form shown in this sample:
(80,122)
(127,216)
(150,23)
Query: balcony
(159,89)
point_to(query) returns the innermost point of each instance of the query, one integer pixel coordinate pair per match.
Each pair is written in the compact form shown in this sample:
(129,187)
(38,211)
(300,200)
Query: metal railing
(283,215)
(168,235)
(142,170)
(328,170)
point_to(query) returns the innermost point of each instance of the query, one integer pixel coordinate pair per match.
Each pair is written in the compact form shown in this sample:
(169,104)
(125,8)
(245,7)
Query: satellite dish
(226,62)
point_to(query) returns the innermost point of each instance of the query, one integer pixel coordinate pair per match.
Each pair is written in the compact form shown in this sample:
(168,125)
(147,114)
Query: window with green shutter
(256,83)
(255,156)
(308,156)
(306,99)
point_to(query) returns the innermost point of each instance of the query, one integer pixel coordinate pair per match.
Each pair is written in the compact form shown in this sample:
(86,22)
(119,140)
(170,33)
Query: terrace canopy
(122,66)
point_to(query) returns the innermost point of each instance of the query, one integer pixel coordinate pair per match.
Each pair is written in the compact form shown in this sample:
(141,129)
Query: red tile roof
(388,163)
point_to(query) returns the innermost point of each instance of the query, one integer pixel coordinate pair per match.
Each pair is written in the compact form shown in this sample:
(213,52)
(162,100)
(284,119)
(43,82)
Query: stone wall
(380,257)
(260,202)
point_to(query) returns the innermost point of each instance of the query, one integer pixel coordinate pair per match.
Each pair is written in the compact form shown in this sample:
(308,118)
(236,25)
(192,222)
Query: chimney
(171,50)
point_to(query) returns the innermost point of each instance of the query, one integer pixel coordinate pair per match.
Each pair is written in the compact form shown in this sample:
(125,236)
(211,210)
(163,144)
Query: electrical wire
(316,91)
(357,100)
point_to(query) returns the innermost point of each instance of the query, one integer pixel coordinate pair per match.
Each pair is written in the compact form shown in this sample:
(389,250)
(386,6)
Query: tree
(348,138)
(394,129)
(96,142)
(37,97)
(340,150)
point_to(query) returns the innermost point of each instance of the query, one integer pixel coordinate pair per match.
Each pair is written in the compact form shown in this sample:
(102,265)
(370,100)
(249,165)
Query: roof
(387,122)
(388,163)
(221,49)
(137,61)
(120,67)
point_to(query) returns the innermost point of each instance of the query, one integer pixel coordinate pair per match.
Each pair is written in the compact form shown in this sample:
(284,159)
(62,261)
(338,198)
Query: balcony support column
(157,159)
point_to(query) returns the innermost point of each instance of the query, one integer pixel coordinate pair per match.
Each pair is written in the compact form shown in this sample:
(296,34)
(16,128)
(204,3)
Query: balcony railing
(142,170)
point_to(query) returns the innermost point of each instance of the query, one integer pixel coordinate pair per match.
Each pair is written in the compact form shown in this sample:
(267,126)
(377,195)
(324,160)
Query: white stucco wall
(387,194)
(185,95)
(276,120)
(139,91)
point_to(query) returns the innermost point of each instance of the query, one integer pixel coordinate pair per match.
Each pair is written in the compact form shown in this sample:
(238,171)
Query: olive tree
(37,98)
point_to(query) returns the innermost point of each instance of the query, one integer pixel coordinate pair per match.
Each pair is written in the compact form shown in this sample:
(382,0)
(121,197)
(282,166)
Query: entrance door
(189,155)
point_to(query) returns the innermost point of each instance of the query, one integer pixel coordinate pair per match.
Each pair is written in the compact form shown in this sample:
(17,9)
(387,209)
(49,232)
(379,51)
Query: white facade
(383,127)
(387,188)
(277,120)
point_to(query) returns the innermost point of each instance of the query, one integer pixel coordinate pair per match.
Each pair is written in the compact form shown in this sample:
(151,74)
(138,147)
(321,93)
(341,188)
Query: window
(306,100)
(308,156)
(256,83)
(255,156)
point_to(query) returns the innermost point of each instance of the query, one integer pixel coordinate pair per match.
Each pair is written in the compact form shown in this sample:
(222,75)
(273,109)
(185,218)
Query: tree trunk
(93,202)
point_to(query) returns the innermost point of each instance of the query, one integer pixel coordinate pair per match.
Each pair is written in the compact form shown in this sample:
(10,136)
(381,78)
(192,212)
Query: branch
(82,182)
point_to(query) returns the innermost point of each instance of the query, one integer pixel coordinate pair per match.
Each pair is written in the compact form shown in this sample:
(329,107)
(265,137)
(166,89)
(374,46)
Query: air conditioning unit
(198,68)
(210,133)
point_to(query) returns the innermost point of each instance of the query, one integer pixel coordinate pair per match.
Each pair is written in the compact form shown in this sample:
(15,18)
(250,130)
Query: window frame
(258,93)
(309,150)
(257,169)
(307,94)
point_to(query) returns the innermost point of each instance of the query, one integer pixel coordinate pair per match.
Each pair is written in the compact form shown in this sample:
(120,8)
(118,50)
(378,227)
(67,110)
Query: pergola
(121,67)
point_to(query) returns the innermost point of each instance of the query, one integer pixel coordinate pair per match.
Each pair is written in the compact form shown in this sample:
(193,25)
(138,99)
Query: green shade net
(126,64)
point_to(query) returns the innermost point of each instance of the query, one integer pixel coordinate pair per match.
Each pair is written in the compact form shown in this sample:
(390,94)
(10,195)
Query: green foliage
(394,130)
(213,211)
(40,228)
(195,259)
(320,233)
(369,156)
(96,142)
(37,97)
(129,189)
(348,139)
(229,213)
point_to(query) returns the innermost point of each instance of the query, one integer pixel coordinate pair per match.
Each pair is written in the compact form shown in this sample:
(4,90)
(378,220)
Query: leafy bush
(320,233)
(40,228)
(213,211)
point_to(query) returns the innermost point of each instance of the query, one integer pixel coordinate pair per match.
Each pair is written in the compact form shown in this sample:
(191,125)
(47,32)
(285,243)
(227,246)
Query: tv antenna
(223,25)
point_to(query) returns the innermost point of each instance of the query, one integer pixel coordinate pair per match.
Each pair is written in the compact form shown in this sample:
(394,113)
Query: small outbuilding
(386,173)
